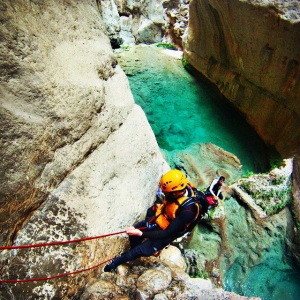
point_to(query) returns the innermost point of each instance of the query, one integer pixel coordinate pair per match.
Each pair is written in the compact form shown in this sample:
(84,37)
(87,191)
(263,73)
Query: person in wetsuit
(177,215)
(215,188)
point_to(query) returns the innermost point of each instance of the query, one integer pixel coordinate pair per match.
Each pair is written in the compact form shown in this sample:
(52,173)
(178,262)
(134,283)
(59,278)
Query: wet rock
(203,162)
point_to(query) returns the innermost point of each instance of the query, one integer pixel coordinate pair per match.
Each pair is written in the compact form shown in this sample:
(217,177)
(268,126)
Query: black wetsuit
(156,238)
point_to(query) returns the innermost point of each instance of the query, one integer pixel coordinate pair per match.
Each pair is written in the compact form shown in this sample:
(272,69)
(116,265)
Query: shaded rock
(110,17)
(176,16)
(253,60)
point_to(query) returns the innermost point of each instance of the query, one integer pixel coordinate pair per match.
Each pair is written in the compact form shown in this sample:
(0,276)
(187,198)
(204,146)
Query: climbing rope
(59,243)
(52,277)
(53,244)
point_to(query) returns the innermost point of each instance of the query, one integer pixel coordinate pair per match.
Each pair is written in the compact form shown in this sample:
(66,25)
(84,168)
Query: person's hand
(133,231)
(216,198)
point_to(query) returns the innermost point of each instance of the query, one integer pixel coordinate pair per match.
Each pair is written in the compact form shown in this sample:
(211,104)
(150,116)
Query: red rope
(52,277)
(59,243)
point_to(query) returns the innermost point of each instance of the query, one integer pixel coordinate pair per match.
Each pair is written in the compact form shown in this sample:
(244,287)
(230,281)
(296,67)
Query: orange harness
(166,212)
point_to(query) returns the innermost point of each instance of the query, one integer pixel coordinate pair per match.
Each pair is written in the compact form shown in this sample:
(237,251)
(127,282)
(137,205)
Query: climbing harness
(53,244)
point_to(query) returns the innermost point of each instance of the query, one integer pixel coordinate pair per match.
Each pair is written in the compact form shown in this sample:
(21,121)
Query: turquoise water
(261,266)
(271,280)
(182,109)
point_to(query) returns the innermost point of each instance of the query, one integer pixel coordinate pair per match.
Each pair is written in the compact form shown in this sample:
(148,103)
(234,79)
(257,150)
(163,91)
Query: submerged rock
(204,162)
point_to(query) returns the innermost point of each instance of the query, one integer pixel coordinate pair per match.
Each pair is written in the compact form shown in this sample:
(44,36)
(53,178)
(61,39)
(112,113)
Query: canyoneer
(180,211)
(213,192)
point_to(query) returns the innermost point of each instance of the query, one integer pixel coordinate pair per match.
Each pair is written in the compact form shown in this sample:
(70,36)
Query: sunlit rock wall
(176,21)
(132,22)
(78,157)
(251,51)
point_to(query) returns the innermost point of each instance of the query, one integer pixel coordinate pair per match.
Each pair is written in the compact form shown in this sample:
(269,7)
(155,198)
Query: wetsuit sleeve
(212,186)
(179,224)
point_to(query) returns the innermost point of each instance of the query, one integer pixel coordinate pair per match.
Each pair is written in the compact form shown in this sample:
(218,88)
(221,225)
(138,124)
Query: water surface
(183,109)
(261,266)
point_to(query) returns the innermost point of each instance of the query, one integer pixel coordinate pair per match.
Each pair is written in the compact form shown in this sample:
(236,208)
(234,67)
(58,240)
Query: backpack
(201,200)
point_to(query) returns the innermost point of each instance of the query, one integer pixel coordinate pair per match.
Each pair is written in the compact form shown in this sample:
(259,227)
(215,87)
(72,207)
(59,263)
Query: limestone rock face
(111,20)
(250,50)
(141,21)
(176,16)
(78,157)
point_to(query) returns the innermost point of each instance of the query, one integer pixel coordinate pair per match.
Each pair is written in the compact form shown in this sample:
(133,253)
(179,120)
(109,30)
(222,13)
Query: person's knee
(141,250)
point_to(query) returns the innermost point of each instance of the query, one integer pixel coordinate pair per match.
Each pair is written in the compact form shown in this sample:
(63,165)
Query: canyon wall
(78,157)
(132,22)
(251,51)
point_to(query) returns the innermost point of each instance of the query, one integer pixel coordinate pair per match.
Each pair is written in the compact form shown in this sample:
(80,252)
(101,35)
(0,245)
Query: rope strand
(52,277)
(58,243)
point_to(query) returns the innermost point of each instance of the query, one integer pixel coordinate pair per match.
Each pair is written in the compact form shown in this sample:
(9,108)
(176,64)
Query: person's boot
(113,264)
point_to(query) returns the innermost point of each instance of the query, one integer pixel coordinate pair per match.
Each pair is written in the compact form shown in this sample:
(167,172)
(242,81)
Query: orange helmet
(173,180)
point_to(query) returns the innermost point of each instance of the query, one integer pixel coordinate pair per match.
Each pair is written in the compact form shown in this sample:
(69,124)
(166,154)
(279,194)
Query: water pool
(183,109)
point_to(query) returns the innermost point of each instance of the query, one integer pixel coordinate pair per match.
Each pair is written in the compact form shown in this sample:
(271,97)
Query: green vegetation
(248,187)
(276,163)
(125,47)
(269,198)
(211,214)
(166,46)
(187,65)
(277,181)
(247,174)
(199,274)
